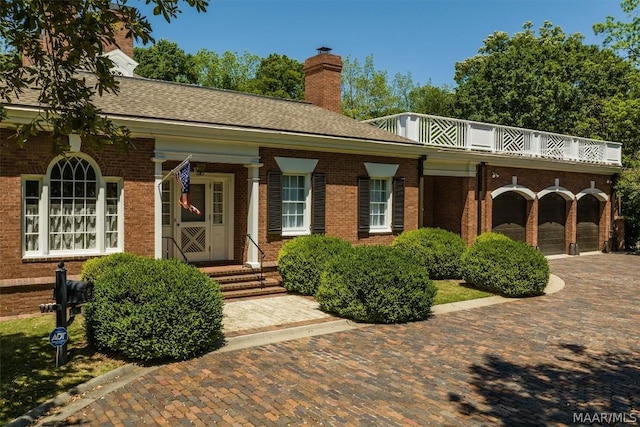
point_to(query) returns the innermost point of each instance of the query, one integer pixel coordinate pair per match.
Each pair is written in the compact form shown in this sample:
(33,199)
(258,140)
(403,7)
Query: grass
(28,374)
(454,291)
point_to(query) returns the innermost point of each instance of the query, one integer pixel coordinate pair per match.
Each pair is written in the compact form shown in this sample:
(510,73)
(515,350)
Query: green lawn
(454,291)
(28,375)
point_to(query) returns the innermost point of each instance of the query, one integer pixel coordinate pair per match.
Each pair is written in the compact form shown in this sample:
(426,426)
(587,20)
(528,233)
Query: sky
(423,38)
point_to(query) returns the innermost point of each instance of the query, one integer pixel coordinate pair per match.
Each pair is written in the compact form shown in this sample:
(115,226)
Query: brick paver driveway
(563,359)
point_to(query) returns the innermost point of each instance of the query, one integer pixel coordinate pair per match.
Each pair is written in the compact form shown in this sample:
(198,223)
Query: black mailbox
(79,291)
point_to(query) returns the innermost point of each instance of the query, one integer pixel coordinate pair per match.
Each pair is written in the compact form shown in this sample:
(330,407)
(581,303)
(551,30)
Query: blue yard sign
(58,337)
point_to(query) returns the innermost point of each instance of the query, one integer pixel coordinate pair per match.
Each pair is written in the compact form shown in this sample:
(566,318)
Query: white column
(253,201)
(157,203)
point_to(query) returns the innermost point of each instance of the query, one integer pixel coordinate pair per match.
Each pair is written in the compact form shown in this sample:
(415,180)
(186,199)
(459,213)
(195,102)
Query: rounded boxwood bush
(302,260)
(440,251)
(377,284)
(93,268)
(150,309)
(500,265)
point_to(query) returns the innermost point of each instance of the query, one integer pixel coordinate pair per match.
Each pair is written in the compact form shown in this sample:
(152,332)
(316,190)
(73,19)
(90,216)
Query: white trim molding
(381,170)
(520,189)
(599,194)
(295,165)
(566,194)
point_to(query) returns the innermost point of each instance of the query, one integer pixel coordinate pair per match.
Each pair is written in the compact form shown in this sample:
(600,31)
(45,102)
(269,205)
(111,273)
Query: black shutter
(363,204)
(274,203)
(318,195)
(398,204)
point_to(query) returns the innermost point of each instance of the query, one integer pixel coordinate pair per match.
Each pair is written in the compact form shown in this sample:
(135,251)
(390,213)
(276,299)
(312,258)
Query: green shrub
(302,260)
(150,309)
(376,284)
(500,265)
(93,268)
(438,250)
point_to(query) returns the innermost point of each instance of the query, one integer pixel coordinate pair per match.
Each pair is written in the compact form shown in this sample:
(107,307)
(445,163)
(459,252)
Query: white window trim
(386,227)
(41,205)
(294,166)
(43,240)
(382,171)
(120,245)
(306,219)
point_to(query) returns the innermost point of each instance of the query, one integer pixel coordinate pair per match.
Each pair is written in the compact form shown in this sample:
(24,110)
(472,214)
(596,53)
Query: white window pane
(91,241)
(91,223)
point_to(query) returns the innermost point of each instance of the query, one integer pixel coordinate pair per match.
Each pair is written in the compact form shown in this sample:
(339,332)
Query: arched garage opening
(587,232)
(509,215)
(552,218)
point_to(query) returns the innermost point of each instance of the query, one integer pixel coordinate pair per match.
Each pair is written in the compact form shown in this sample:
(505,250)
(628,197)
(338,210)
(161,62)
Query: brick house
(265,170)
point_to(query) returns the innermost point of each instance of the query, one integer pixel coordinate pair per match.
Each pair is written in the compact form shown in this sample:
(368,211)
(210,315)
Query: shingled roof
(160,100)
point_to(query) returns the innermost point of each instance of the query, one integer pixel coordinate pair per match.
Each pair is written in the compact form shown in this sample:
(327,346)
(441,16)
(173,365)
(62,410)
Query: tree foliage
(623,36)
(548,81)
(278,76)
(60,39)
(165,60)
(230,70)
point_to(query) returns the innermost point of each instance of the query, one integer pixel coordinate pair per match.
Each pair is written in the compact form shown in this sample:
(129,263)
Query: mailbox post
(68,294)
(61,310)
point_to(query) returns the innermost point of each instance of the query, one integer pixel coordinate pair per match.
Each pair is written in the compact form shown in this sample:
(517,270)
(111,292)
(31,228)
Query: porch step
(239,281)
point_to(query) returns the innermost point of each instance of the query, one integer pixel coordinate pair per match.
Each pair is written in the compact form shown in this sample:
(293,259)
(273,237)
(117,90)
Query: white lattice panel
(591,151)
(193,239)
(554,146)
(443,132)
(512,141)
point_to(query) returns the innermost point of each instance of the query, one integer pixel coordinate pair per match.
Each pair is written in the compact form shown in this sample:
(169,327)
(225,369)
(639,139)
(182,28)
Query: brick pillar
(571,224)
(532,222)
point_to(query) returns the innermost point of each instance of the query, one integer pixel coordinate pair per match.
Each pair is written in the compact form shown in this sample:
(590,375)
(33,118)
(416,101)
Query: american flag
(183,175)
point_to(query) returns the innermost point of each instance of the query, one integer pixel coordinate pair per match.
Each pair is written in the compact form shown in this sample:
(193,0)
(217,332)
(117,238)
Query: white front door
(207,236)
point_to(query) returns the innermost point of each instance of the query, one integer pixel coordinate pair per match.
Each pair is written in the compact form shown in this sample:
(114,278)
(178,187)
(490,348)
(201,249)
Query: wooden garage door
(588,223)
(552,216)
(510,215)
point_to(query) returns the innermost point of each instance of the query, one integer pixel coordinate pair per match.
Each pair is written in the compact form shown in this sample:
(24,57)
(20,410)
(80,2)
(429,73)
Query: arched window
(72,210)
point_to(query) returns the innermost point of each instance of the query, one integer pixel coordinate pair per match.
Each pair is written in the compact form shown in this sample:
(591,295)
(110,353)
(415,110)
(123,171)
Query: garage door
(509,215)
(552,216)
(588,223)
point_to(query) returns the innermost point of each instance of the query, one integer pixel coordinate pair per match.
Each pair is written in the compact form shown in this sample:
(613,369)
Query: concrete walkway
(539,361)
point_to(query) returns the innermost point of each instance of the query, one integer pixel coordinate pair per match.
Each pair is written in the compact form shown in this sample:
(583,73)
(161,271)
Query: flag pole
(174,169)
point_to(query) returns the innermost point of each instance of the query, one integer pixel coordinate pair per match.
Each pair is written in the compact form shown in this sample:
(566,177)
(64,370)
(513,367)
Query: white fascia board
(538,163)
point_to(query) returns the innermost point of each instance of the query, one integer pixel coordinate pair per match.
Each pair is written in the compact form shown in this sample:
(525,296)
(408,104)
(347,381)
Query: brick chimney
(124,43)
(322,80)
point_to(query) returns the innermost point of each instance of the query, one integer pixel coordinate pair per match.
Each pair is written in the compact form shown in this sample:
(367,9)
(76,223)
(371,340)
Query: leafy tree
(278,76)
(229,71)
(164,60)
(622,113)
(549,81)
(366,92)
(60,39)
(623,36)
(437,101)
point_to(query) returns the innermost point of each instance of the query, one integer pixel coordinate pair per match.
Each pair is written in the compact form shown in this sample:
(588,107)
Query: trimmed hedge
(302,260)
(440,251)
(93,268)
(150,309)
(500,265)
(377,284)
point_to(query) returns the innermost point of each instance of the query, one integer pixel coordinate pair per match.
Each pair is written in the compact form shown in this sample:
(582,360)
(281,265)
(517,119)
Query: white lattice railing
(468,135)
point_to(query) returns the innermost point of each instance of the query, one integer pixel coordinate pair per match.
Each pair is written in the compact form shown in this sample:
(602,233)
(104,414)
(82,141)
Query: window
(295,198)
(380,204)
(380,200)
(71,210)
(295,195)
